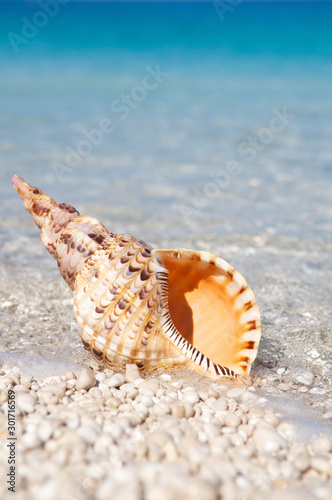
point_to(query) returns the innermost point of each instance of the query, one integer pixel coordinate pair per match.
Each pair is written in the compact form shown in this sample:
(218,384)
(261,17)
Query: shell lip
(245,306)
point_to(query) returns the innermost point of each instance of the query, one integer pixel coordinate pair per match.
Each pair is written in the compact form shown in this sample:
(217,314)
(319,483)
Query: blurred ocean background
(230,151)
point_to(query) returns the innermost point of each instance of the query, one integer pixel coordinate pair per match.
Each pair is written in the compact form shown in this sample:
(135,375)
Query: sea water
(187,126)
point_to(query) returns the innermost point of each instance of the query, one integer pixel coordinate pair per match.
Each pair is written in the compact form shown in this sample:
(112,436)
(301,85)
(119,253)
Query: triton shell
(160,309)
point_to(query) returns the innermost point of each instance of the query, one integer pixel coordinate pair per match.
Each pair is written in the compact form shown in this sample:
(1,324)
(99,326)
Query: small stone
(191,396)
(161,409)
(232,420)
(127,387)
(30,440)
(212,393)
(25,402)
(317,390)
(95,392)
(305,377)
(178,410)
(27,380)
(284,387)
(85,380)
(302,462)
(321,463)
(203,395)
(14,376)
(132,394)
(321,445)
(88,433)
(70,375)
(220,404)
(271,418)
(7,380)
(235,393)
(46,428)
(268,440)
(147,391)
(188,409)
(57,390)
(147,401)
(132,373)
(113,402)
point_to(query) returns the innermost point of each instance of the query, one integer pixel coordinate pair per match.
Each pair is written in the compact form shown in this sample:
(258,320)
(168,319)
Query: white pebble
(220,404)
(302,462)
(321,463)
(30,440)
(147,401)
(132,373)
(232,420)
(88,433)
(321,445)
(317,390)
(161,409)
(235,393)
(25,402)
(147,391)
(85,380)
(268,440)
(284,387)
(191,396)
(57,390)
(116,380)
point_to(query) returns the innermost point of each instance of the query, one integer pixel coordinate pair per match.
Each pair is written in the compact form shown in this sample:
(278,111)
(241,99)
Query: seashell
(159,309)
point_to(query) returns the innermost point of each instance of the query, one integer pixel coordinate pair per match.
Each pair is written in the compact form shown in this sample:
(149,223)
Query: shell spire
(160,309)
(38,204)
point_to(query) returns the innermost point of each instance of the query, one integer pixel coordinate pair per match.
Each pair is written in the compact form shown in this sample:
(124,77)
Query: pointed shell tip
(16,181)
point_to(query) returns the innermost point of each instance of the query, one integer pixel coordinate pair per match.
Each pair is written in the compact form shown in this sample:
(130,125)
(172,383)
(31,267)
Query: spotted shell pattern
(160,309)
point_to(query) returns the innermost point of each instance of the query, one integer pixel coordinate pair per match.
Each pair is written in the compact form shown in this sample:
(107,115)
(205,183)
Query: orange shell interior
(202,309)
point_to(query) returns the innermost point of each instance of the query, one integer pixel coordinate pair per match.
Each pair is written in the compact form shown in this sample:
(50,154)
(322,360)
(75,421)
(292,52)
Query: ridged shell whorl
(160,309)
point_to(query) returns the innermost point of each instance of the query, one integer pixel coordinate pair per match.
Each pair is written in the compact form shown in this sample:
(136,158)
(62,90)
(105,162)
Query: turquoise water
(193,148)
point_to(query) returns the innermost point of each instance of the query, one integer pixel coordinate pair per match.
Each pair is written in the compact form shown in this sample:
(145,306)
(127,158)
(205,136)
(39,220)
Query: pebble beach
(97,435)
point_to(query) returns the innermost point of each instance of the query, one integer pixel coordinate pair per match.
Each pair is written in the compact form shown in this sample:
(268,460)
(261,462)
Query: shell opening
(207,309)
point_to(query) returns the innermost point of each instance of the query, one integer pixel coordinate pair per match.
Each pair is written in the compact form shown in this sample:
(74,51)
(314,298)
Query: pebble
(146,401)
(212,393)
(268,440)
(317,390)
(321,463)
(191,396)
(220,404)
(284,387)
(161,409)
(86,379)
(27,380)
(232,420)
(132,373)
(235,393)
(70,375)
(25,402)
(322,444)
(302,462)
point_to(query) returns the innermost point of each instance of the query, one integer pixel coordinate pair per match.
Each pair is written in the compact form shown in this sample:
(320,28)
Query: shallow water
(177,170)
